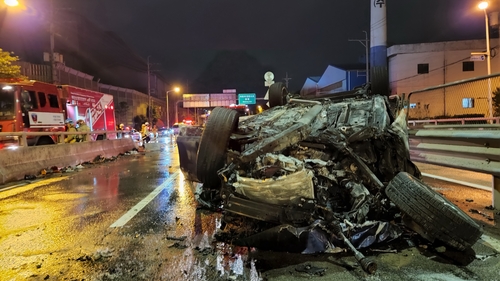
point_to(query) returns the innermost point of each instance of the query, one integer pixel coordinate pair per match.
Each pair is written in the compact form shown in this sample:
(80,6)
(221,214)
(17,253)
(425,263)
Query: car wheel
(213,144)
(277,94)
(432,216)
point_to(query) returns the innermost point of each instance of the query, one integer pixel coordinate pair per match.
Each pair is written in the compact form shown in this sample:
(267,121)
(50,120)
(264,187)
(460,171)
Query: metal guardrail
(457,121)
(468,148)
(21,138)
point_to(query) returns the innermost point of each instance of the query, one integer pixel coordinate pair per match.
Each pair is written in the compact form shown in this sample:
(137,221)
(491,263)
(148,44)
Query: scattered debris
(488,217)
(310,269)
(178,246)
(385,250)
(490,207)
(29,177)
(79,166)
(469,200)
(440,249)
(182,238)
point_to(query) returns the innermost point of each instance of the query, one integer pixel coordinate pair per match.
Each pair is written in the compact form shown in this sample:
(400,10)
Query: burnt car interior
(316,175)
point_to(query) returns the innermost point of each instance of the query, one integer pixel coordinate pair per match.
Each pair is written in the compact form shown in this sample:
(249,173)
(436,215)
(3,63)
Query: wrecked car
(329,172)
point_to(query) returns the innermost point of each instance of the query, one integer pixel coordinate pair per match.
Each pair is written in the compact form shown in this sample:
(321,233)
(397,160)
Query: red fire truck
(33,106)
(97,109)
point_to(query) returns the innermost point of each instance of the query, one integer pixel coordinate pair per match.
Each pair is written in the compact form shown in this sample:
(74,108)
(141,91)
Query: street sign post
(247,98)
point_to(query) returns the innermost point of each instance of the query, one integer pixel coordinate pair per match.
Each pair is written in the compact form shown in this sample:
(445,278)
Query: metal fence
(468,99)
(470,147)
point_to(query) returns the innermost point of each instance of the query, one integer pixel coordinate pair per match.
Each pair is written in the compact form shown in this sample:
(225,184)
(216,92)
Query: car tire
(213,145)
(277,94)
(432,216)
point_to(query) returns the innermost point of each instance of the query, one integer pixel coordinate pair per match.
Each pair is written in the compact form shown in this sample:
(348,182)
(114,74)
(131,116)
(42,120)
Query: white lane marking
(478,186)
(139,206)
(491,242)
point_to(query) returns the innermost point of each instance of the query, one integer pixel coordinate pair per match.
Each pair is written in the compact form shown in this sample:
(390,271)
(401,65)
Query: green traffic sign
(247,98)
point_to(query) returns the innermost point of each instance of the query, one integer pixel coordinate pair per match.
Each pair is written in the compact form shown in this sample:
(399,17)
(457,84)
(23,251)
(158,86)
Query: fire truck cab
(30,106)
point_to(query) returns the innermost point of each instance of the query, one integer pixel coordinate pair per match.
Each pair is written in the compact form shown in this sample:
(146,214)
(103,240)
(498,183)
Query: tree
(122,108)
(496,102)
(139,120)
(7,70)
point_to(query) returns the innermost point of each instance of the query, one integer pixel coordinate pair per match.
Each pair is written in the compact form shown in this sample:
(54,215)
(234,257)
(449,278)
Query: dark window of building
(53,102)
(468,66)
(41,98)
(423,68)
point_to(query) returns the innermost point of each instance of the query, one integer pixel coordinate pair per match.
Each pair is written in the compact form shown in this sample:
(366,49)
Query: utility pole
(149,92)
(53,70)
(364,42)
(286,80)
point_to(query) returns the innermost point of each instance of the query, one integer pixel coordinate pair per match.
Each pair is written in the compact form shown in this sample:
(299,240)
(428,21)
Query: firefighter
(120,130)
(145,133)
(82,127)
(70,127)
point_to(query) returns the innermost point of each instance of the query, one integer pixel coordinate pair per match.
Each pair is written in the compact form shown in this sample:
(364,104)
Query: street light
(53,71)
(176,89)
(483,5)
(11,3)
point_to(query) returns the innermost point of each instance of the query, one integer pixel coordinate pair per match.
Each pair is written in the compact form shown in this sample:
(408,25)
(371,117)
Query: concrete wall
(14,164)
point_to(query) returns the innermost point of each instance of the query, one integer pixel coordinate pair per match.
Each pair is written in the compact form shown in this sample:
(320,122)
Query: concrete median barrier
(15,164)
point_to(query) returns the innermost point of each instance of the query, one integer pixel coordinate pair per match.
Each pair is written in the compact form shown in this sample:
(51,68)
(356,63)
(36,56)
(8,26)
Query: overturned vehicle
(330,172)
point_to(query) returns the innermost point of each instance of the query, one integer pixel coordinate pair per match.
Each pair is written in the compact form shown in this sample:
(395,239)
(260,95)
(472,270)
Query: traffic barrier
(15,164)
(472,148)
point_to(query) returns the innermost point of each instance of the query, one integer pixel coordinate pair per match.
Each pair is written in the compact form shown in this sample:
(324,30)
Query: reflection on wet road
(133,219)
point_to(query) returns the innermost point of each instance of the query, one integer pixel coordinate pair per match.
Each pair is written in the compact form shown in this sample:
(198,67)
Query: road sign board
(247,98)
(477,57)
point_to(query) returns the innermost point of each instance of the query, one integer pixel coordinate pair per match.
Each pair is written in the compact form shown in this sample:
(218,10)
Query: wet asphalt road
(136,219)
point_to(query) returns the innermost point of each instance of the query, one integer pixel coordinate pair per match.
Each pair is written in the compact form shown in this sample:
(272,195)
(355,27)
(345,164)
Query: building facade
(415,67)
(334,80)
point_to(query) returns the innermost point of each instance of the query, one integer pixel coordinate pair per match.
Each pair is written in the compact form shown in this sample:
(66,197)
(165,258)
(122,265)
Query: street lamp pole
(53,70)
(483,6)
(488,55)
(176,89)
(149,94)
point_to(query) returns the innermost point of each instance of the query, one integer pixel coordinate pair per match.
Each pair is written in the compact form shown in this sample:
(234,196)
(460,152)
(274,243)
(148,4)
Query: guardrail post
(496,192)
(24,140)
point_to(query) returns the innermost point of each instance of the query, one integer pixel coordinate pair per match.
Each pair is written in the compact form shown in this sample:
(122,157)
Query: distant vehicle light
(7,88)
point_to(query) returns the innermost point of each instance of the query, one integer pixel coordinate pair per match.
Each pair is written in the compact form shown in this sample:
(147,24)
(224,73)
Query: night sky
(298,37)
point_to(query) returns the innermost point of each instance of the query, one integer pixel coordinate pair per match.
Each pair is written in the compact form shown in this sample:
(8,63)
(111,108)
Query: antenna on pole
(286,80)
(364,42)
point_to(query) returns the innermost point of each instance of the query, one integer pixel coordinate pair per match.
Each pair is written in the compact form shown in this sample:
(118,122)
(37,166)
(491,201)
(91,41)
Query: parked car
(164,131)
(134,134)
(335,168)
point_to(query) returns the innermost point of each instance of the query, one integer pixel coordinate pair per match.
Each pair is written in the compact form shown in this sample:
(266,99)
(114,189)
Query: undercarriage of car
(316,176)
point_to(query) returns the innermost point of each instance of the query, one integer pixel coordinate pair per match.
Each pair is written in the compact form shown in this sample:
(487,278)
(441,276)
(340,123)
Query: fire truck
(95,108)
(33,106)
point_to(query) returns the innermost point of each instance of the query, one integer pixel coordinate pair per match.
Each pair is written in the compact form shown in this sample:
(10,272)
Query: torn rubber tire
(433,216)
(277,94)
(213,144)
